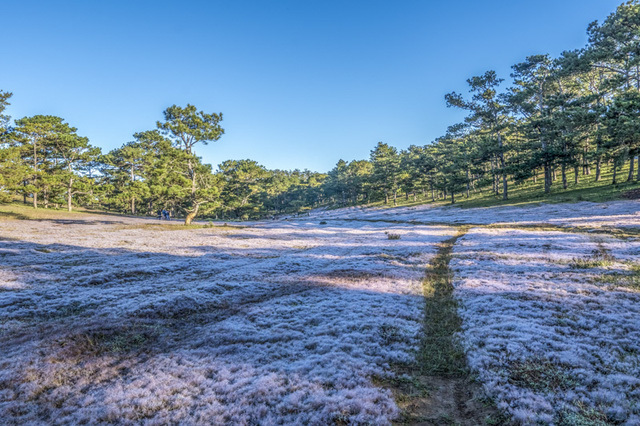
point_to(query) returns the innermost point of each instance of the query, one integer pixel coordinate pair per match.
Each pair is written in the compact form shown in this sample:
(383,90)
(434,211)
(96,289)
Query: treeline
(561,120)
(44,158)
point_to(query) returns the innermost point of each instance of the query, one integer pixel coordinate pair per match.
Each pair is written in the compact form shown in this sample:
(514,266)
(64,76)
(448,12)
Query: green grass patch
(16,211)
(540,375)
(630,279)
(599,258)
(585,416)
(440,353)
(591,262)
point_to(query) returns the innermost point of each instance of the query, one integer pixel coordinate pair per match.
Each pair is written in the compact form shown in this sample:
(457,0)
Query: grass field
(426,314)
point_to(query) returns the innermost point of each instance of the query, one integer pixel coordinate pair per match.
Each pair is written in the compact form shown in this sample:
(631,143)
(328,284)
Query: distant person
(160,214)
(167,216)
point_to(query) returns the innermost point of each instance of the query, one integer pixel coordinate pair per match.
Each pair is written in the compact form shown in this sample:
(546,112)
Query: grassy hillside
(20,211)
(530,193)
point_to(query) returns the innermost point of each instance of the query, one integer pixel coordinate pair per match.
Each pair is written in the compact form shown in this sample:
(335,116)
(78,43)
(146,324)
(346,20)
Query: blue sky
(301,84)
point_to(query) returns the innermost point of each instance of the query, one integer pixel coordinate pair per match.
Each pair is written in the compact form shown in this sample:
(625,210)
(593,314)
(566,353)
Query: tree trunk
(35,175)
(133,205)
(395,198)
(494,189)
(576,171)
(585,163)
(69,195)
(546,168)
(453,200)
(468,183)
(192,214)
(632,162)
(564,175)
(598,163)
(505,195)
(547,178)
(192,172)
(615,173)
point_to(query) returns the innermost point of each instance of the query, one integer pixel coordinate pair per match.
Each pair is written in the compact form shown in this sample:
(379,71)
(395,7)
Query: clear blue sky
(301,83)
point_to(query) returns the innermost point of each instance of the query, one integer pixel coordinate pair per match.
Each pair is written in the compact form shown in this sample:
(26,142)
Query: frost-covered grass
(550,337)
(111,319)
(621,214)
(108,319)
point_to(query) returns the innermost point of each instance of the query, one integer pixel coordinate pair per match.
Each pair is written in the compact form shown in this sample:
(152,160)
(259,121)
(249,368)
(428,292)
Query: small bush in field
(393,236)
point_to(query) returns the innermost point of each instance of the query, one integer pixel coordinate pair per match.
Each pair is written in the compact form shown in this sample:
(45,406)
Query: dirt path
(438,389)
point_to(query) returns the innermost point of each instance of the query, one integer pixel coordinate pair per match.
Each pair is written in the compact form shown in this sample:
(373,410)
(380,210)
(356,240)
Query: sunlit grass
(531,193)
(19,211)
(629,279)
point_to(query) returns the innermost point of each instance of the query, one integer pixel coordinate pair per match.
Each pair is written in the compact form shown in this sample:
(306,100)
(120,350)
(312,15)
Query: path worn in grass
(438,388)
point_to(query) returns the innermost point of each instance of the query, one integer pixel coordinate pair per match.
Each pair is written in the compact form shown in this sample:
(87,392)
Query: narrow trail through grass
(438,388)
(439,352)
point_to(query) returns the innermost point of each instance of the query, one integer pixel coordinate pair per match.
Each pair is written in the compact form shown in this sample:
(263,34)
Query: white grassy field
(551,323)
(105,319)
(111,319)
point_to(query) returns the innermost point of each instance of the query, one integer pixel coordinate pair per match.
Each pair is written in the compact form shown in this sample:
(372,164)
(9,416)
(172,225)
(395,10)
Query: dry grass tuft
(105,340)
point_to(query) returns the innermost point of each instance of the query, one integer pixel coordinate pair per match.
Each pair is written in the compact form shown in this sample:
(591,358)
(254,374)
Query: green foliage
(51,160)
(4,119)
(187,126)
(386,174)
